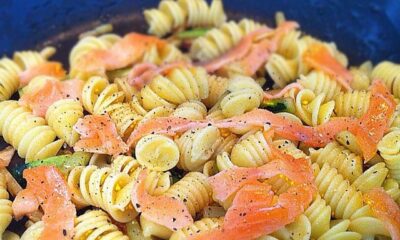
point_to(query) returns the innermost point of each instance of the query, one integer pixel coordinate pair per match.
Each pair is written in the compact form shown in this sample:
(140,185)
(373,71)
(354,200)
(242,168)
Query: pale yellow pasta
(348,140)
(10,236)
(103,188)
(195,192)
(129,91)
(352,104)
(134,231)
(389,73)
(319,214)
(193,110)
(33,232)
(96,224)
(392,187)
(364,222)
(157,152)
(196,147)
(347,163)
(371,178)
(217,87)
(6,211)
(337,192)
(27,133)
(389,148)
(219,40)
(62,115)
(319,83)
(338,231)
(9,78)
(198,227)
(361,76)
(288,147)
(178,86)
(171,15)
(300,229)
(311,109)
(244,94)
(124,117)
(210,168)
(98,94)
(156,182)
(251,151)
(28,59)
(282,70)
(224,162)
(226,144)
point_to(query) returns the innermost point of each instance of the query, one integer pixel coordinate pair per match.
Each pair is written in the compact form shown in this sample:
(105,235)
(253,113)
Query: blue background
(363,29)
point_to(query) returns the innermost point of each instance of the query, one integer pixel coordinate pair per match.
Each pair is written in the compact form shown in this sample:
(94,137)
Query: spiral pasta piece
(172,15)
(62,116)
(176,87)
(389,73)
(371,178)
(124,117)
(319,214)
(311,109)
(366,224)
(167,54)
(196,147)
(226,144)
(344,199)
(103,188)
(361,76)
(224,162)
(219,40)
(281,70)
(98,94)
(319,83)
(96,224)
(5,205)
(395,121)
(352,104)
(7,235)
(157,182)
(338,230)
(28,59)
(9,78)
(347,163)
(288,147)
(392,187)
(195,192)
(33,232)
(198,227)
(193,110)
(157,152)
(27,133)
(299,229)
(244,95)
(251,151)
(217,87)
(389,148)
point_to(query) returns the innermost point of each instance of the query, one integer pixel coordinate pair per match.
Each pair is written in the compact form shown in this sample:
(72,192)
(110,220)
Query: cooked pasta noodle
(366,224)
(348,164)
(371,178)
(299,229)
(124,117)
(389,149)
(27,133)
(392,187)
(344,199)
(311,109)
(5,205)
(198,227)
(97,224)
(352,104)
(319,83)
(281,70)
(33,232)
(62,116)
(157,152)
(219,40)
(224,162)
(389,73)
(9,78)
(338,230)
(178,86)
(193,110)
(217,87)
(197,146)
(103,188)
(10,236)
(98,94)
(172,15)
(319,214)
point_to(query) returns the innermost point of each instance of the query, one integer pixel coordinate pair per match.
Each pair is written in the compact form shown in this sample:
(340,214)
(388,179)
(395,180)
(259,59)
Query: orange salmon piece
(53,69)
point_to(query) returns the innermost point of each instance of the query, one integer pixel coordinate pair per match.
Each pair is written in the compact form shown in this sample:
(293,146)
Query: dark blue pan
(363,29)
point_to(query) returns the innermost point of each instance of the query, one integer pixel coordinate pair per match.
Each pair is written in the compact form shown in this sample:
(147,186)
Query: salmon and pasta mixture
(203,128)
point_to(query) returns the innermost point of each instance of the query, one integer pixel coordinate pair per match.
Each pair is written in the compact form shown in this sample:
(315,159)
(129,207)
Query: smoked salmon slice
(99,135)
(124,52)
(6,155)
(52,69)
(167,211)
(52,90)
(318,56)
(47,188)
(386,209)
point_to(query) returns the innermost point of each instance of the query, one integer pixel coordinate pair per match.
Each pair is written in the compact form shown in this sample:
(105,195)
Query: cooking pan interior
(364,30)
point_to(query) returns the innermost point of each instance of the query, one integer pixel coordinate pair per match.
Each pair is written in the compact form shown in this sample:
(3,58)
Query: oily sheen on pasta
(211,125)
